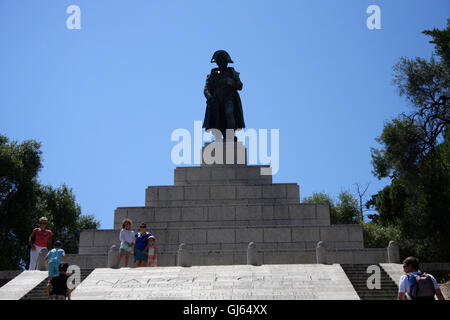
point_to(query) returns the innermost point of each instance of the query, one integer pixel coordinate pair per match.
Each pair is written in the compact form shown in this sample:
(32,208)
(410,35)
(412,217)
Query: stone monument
(216,209)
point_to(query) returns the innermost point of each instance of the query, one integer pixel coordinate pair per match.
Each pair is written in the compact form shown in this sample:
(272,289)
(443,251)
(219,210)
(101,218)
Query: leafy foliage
(343,211)
(23,200)
(416,156)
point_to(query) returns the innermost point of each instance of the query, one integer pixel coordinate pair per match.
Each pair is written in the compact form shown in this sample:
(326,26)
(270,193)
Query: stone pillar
(40,263)
(183,256)
(113,256)
(252,257)
(393,252)
(321,253)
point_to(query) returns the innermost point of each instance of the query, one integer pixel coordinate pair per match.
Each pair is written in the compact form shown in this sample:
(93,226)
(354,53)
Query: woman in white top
(126,241)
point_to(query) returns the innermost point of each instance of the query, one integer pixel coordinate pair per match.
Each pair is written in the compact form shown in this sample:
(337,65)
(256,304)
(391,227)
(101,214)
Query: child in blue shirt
(54,258)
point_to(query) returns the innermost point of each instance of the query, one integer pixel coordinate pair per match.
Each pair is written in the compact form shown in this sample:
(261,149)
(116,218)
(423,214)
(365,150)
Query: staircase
(40,293)
(357,274)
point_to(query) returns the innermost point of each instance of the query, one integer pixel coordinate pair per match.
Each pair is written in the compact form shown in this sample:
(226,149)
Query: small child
(126,241)
(57,287)
(152,252)
(54,258)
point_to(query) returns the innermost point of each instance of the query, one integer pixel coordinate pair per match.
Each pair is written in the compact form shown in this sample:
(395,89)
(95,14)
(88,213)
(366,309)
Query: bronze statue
(223,106)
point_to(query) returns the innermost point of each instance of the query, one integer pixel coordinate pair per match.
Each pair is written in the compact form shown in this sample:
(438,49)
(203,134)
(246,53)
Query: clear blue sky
(105,99)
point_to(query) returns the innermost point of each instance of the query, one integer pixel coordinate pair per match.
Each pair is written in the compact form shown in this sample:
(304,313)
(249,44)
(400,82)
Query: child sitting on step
(152,252)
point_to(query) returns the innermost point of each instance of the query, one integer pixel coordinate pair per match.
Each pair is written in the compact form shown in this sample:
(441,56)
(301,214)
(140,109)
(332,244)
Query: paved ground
(306,282)
(20,285)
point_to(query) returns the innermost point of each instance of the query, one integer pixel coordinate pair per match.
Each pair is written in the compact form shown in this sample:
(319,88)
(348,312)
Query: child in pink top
(152,252)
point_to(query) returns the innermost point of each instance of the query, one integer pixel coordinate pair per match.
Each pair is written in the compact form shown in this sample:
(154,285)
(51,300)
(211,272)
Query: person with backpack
(417,285)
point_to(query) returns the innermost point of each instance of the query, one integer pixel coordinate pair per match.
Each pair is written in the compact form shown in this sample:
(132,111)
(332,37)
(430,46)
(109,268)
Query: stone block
(171,193)
(252,212)
(198,173)
(192,236)
(86,238)
(120,214)
(180,174)
(106,237)
(166,259)
(370,256)
(305,257)
(302,211)
(223,173)
(139,215)
(334,233)
(223,192)
(322,211)
(267,212)
(221,236)
(278,258)
(280,211)
(298,246)
(194,214)
(221,213)
(292,191)
(277,235)
(249,235)
(305,234)
(196,193)
(96,261)
(355,233)
(342,257)
(274,191)
(98,250)
(348,245)
(151,194)
(166,236)
(214,259)
(248,192)
(167,214)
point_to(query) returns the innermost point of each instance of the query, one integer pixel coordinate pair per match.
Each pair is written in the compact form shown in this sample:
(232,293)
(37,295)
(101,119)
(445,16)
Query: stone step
(217,194)
(234,238)
(221,175)
(220,215)
(39,292)
(358,276)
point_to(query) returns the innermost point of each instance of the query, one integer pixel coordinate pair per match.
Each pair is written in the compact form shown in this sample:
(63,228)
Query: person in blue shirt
(140,246)
(54,258)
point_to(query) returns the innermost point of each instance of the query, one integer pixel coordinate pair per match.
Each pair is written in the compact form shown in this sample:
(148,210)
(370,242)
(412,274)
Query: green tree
(23,200)
(19,165)
(64,214)
(415,155)
(343,211)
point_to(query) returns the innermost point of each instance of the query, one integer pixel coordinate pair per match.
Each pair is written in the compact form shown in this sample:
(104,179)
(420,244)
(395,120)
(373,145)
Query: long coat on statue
(223,107)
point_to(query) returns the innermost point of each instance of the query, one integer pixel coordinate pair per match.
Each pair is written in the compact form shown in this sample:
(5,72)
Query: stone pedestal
(218,153)
(217,209)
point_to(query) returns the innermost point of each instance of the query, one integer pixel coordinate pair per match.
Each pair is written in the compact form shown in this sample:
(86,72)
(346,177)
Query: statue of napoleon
(223,106)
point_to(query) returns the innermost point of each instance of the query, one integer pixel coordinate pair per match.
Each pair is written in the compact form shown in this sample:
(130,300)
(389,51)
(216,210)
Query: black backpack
(423,288)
